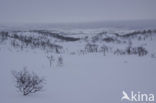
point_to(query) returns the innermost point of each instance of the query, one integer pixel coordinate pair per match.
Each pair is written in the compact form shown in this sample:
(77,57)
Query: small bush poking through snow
(60,61)
(28,82)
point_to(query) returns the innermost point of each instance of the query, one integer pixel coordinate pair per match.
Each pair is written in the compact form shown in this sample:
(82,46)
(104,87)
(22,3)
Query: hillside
(95,67)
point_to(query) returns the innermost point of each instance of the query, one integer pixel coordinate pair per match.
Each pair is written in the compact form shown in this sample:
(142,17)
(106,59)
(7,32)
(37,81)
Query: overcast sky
(50,11)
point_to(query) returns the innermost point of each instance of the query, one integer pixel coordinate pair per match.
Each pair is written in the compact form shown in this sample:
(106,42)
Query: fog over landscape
(50,11)
(77,51)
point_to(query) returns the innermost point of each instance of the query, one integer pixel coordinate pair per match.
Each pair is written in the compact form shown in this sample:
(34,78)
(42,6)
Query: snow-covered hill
(96,65)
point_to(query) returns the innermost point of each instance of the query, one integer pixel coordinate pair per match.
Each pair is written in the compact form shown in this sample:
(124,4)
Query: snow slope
(84,77)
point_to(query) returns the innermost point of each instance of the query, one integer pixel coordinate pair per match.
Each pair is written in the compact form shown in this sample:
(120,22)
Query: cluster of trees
(56,35)
(92,48)
(136,51)
(140,51)
(3,36)
(30,41)
(132,34)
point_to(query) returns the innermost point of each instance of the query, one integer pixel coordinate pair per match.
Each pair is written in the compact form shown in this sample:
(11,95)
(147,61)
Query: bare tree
(27,82)
(60,61)
(104,49)
(51,59)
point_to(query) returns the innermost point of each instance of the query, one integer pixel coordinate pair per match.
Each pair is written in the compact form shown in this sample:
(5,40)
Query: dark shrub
(137,51)
(27,82)
(91,47)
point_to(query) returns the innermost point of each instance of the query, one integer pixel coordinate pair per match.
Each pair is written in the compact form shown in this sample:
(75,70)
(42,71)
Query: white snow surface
(83,78)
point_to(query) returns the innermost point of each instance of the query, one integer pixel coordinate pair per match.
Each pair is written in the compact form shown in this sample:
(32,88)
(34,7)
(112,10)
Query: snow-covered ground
(87,75)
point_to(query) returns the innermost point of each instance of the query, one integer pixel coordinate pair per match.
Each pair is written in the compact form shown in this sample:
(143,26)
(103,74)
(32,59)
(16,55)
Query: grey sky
(75,10)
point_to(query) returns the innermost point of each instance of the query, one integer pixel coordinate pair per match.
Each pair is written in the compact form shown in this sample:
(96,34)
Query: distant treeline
(56,35)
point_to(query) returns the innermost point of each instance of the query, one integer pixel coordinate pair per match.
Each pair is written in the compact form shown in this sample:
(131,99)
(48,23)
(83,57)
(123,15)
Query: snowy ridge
(95,65)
